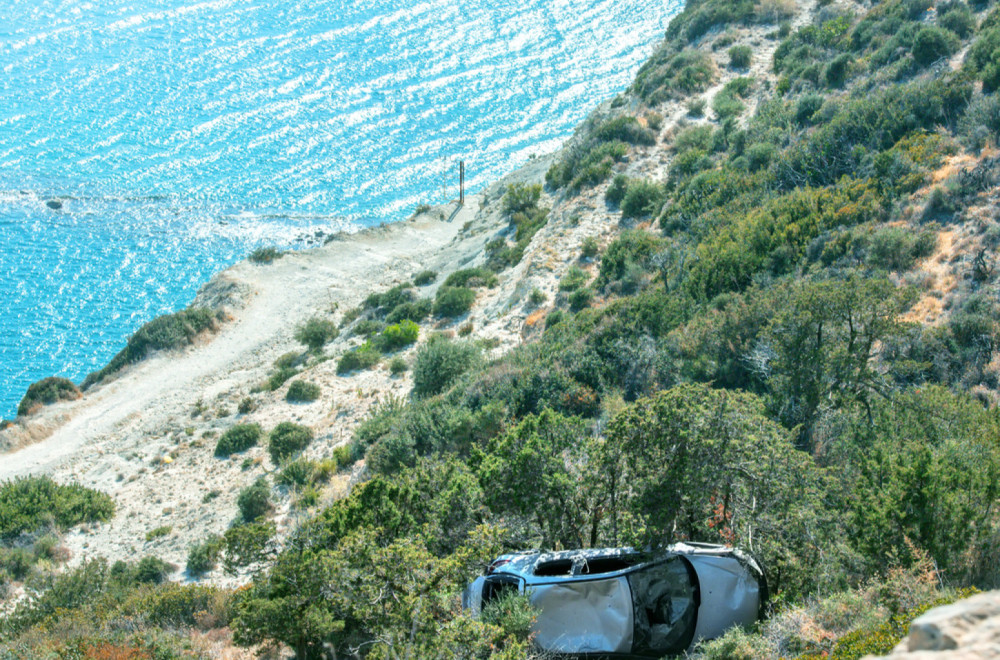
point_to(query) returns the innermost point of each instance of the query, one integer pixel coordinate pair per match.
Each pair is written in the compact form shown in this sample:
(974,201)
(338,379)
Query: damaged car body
(620,602)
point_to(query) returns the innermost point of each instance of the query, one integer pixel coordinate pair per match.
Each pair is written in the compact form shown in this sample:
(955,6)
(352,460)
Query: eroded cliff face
(968,629)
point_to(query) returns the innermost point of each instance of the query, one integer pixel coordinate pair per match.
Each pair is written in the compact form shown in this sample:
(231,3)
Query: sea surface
(179,135)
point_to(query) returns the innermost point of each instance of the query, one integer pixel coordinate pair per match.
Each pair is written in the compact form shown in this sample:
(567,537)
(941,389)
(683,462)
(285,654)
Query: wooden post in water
(461,183)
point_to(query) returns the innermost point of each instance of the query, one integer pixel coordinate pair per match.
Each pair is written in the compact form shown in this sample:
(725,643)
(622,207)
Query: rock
(54,204)
(969,628)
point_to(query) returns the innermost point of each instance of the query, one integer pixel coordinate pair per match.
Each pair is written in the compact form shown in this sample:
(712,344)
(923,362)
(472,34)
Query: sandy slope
(292,288)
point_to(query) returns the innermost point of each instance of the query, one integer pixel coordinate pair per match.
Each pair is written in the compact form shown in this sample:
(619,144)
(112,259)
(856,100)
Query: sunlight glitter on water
(156,121)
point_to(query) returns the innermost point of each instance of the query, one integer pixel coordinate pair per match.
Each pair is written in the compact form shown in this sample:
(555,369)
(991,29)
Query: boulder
(54,204)
(969,628)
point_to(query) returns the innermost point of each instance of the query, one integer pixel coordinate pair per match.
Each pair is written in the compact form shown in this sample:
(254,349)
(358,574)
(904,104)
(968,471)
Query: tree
(824,339)
(535,473)
(693,463)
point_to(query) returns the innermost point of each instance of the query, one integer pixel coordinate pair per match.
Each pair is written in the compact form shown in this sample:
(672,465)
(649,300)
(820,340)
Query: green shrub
(398,336)
(265,255)
(590,247)
(167,332)
(554,317)
(350,316)
(521,198)
(237,438)
(424,277)
(174,605)
(398,366)
(537,297)
(835,73)
(726,105)
(806,107)
(381,304)
(316,333)
(471,277)
(158,532)
(958,19)
(30,503)
(417,311)
(151,570)
(616,191)
(933,43)
(581,298)
(740,57)
(643,198)
(254,501)
(574,278)
(288,439)
(362,357)
(46,392)
(16,563)
(367,328)
(450,302)
(302,392)
(631,248)
(247,544)
(696,107)
(624,129)
(299,472)
(279,376)
(895,248)
(247,405)
(202,557)
(440,362)
(668,75)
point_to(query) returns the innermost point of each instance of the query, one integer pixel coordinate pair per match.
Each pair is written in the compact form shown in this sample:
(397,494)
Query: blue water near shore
(179,135)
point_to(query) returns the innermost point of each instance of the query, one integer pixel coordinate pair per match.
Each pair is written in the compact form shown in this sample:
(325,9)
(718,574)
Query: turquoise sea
(178,135)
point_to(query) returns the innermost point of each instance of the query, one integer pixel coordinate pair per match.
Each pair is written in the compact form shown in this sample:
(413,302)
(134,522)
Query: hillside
(753,300)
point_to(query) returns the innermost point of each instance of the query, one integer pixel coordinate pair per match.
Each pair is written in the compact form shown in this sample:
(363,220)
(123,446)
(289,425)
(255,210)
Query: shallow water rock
(54,204)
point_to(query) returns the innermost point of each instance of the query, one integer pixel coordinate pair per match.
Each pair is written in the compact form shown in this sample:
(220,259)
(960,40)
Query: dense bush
(931,44)
(398,366)
(574,278)
(162,333)
(316,333)
(526,217)
(740,57)
(472,277)
(46,392)
(265,255)
(302,392)
(247,544)
(254,501)
(616,191)
(452,301)
(31,503)
(581,298)
(642,198)
(415,311)
(287,439)
(440,362)
(203,556)
(237,438)
(398,336)
(424,277)
(365,356)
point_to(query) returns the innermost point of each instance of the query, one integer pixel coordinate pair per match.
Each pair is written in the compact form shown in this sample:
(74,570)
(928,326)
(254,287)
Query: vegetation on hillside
(746,367)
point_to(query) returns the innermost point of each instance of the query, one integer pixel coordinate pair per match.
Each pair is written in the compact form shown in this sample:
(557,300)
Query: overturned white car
(622,602)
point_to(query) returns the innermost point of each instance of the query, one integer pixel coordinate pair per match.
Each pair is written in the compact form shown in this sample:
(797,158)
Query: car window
(665,605)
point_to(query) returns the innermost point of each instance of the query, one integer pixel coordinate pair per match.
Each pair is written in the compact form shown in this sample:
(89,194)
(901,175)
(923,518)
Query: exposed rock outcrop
(969,629)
